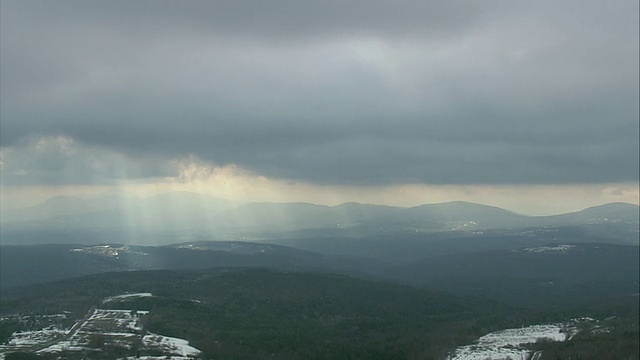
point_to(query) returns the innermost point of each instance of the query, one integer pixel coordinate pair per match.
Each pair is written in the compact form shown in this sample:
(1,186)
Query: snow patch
(126,296)
(27,338)
(169,345)
(167,357)
(102,328)
(508,343)
(550,249)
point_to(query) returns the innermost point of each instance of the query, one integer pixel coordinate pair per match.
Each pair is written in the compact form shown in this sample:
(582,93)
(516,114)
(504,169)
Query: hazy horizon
(121,194)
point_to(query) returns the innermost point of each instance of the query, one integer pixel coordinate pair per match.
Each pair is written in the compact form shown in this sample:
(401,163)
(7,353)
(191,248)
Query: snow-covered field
(508,343)
(550,249)
(112,327)
(156,358)
(123,321)
(26,338)
(169,345)
(126,296)
(102,329)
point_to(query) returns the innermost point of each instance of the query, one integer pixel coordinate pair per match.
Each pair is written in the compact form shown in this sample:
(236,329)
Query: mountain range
(200,217)
(71,236)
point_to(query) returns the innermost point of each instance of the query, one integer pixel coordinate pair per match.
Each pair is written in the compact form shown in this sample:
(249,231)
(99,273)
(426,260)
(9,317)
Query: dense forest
(262,313)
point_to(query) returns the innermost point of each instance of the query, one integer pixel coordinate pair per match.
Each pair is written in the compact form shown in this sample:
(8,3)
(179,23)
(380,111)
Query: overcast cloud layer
(329,92)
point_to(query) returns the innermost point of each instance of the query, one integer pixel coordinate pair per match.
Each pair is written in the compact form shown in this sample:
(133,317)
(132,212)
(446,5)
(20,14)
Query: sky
(528,105)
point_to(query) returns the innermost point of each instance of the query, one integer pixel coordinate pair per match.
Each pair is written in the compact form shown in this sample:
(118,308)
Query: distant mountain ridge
(195,213)
(617,211)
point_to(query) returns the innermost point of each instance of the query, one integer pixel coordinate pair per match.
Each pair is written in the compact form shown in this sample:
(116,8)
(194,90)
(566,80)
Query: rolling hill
(174,217)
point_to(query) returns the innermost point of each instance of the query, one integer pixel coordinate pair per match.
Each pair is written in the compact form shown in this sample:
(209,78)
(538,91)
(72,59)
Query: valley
(449,281)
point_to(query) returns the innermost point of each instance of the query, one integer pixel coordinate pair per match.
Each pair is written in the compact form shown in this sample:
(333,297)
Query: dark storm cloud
(371,92)
(59,160)
(275,19)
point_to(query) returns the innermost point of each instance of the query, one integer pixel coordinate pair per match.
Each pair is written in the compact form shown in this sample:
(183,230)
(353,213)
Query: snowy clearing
(102,329)
(508,343)
(28,338)
(550,249)
(169,345)
(126,296)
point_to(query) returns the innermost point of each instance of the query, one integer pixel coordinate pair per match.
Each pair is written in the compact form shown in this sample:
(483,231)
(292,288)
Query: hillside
(24,265)
(256,313)
(252,313)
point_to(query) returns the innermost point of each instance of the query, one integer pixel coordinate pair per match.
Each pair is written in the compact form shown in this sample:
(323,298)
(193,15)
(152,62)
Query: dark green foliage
(236,313)
(22,265)
(25,265)
(570,298)
(258,313)
(22,356)
(7,328)
(579,263)
(615,339)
